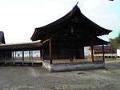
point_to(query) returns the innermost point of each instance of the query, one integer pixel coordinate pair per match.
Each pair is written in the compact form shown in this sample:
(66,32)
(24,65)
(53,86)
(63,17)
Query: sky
(19,18)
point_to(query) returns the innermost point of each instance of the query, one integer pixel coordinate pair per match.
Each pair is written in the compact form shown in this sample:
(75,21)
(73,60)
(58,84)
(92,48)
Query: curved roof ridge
(83,22)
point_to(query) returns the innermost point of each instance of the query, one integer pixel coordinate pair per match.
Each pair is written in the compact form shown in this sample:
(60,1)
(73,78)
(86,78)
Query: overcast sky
(19,18)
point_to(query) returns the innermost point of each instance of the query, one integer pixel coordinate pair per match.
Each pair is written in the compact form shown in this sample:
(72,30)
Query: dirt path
(37,78)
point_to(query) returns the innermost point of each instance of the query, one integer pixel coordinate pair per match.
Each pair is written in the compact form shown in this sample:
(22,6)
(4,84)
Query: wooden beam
(47,40)
(92,54)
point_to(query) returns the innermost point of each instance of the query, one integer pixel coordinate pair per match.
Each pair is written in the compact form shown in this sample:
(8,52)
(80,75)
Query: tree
(115,43)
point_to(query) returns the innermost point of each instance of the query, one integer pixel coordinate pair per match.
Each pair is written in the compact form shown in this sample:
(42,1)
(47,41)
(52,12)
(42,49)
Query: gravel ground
(37,78)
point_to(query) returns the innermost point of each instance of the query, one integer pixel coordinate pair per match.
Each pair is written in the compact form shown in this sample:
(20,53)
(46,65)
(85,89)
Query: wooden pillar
(82,56)
(103,53)
(5,56)
(92,54)
(40,55)
(13,57)
(31,57)
(29,54)
(22,57)
(50,51)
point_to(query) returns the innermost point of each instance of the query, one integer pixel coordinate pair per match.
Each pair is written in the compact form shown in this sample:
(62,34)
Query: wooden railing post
(50,51)
(103,53)
(92,53)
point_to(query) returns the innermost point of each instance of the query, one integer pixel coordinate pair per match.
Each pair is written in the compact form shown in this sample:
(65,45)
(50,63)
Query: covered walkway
(20,54)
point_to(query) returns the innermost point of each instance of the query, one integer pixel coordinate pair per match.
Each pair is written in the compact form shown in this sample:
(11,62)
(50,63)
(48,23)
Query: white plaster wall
(118,52)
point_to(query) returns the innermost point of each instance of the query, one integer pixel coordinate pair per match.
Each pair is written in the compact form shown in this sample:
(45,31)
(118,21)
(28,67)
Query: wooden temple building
(66,37)
(62,42)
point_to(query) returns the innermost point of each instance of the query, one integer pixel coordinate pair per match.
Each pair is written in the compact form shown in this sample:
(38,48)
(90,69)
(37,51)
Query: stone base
(72,67)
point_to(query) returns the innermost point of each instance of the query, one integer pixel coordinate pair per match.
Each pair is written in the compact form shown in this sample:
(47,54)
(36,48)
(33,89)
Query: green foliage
(115,43)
